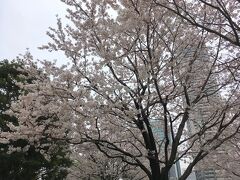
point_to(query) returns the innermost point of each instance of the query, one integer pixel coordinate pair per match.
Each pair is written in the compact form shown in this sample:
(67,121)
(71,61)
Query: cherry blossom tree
(221,20)
(218,18)
(232,158)
(226,159)
(89,163)
(137,76)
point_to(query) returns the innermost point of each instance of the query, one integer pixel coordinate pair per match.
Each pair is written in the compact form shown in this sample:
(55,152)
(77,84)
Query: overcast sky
(23,24)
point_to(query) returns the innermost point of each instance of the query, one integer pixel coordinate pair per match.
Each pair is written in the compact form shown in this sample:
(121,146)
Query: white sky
(23,24)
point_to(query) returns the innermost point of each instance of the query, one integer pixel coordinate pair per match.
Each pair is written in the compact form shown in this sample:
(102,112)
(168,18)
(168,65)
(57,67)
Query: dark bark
(155,168)
(164,174)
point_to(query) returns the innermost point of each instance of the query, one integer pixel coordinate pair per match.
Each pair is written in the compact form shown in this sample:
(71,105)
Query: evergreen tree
(30,164)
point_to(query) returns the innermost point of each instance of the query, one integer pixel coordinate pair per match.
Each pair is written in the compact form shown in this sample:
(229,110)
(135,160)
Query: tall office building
(196,63)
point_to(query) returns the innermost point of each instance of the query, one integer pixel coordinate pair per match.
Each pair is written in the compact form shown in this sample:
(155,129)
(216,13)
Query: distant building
(197,60)
(209,174)
(192,176)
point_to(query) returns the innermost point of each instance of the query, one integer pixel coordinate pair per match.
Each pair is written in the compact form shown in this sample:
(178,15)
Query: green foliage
(29,165)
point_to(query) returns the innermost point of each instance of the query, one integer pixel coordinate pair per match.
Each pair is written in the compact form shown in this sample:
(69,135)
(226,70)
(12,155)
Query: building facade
(196,63)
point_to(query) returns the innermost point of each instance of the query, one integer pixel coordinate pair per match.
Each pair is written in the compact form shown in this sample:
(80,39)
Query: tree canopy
(26,162)
(144,83)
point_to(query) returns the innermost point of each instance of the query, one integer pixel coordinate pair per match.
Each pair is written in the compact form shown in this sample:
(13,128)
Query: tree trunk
(155,168)
(164,174)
